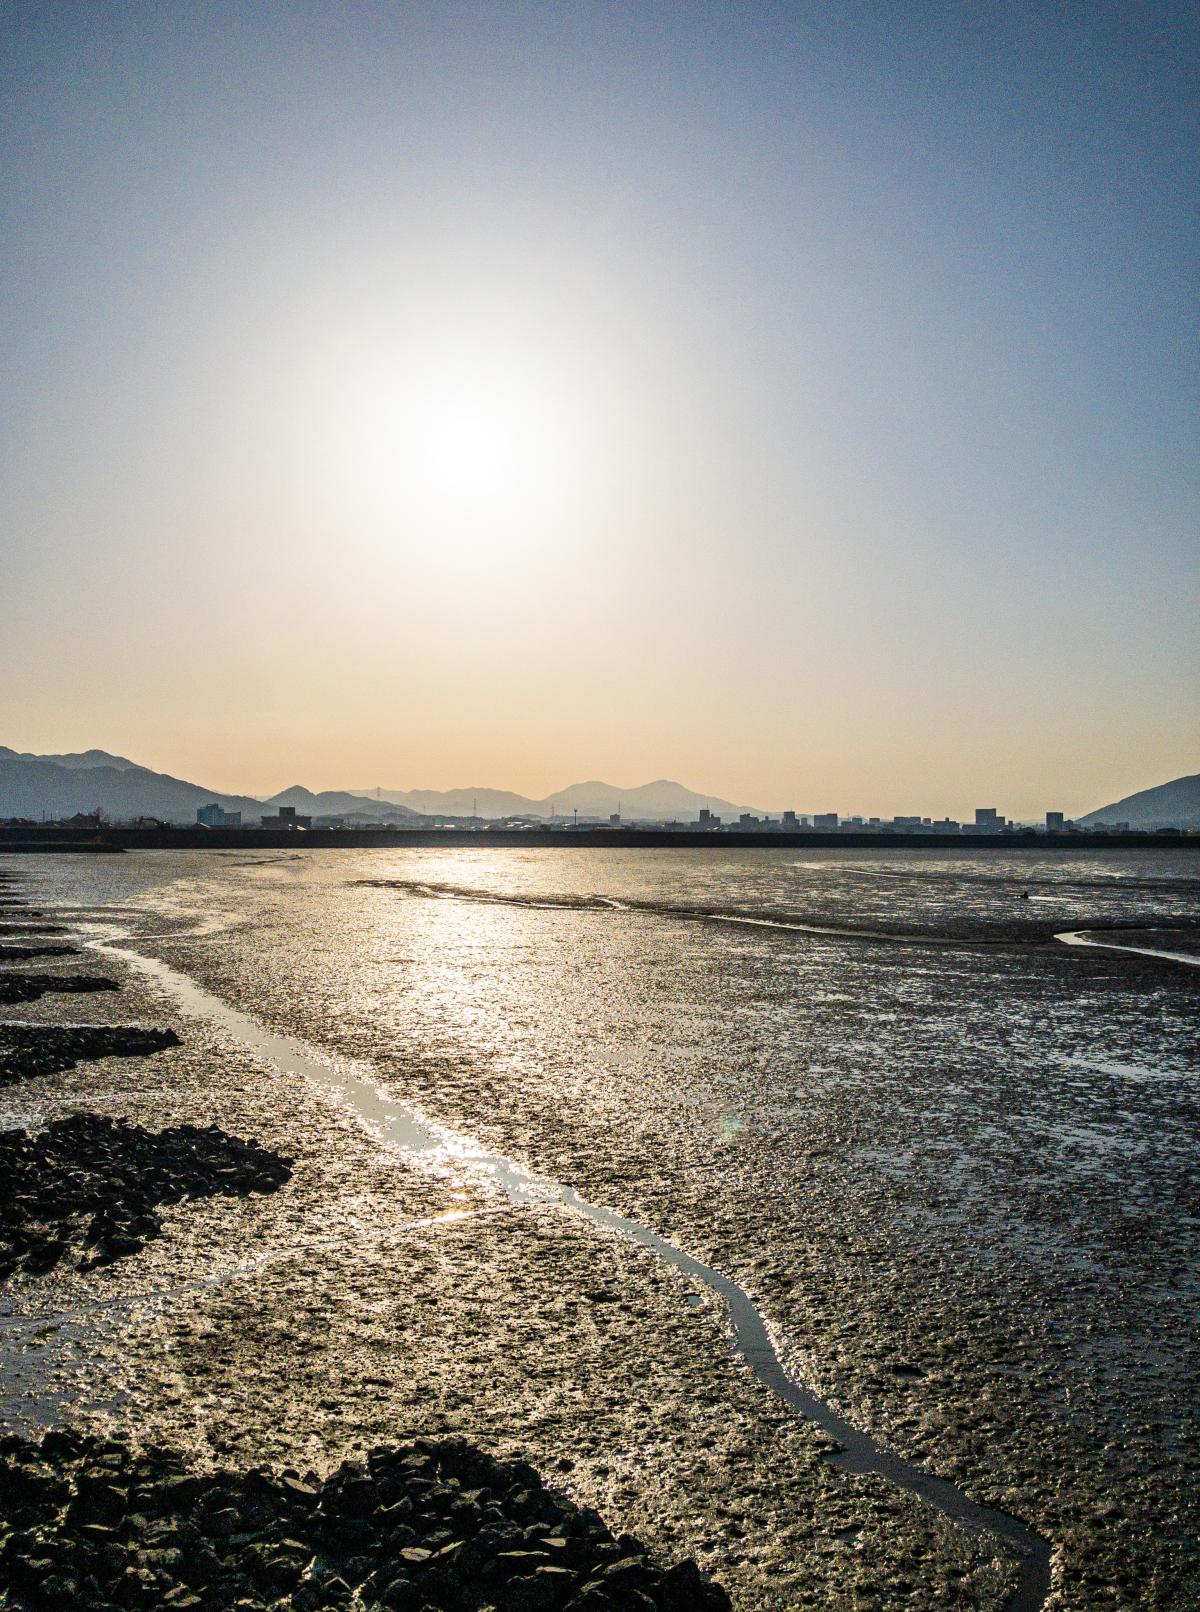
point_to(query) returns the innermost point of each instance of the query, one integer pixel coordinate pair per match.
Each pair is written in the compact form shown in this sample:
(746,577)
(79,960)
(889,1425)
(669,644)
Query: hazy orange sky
(795,402)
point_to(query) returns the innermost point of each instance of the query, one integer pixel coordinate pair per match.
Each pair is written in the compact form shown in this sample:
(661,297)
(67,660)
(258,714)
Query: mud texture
(430,1525)
(98,1180)
(28,1051)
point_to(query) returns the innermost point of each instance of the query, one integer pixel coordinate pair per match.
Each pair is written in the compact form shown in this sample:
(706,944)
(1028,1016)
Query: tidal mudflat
(947,1159)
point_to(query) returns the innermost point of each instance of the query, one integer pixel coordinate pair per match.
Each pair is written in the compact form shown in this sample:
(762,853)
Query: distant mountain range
(1173,805)
(59,786)
(657,802)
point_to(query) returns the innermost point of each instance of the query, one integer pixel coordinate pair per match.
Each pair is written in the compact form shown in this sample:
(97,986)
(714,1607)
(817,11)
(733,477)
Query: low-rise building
(287,817)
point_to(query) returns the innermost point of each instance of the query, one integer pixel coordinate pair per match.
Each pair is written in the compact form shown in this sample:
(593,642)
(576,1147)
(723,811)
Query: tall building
(214,816)
(1054,822)
(825,820)
(987,817)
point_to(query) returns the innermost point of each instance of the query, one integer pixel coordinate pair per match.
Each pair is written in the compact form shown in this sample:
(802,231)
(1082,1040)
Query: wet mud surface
(936,1183)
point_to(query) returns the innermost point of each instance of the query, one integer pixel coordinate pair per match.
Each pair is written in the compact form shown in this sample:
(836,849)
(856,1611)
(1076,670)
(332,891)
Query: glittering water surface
(952,1158)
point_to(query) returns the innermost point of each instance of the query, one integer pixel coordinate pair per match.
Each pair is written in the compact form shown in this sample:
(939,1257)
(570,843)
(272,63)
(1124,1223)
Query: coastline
(31,840)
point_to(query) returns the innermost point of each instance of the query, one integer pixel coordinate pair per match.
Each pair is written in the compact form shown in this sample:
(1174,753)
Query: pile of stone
(429,1525)
(91,1185)
(28,987)
(30,1050)
(19,953)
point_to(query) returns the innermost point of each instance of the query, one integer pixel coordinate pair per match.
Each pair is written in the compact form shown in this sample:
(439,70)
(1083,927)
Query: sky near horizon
(795,400)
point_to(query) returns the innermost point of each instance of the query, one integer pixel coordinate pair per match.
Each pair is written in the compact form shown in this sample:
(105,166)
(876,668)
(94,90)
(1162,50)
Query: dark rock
(93,1525)
(100,1180)
(11,953)
(31,1050)
(28,987)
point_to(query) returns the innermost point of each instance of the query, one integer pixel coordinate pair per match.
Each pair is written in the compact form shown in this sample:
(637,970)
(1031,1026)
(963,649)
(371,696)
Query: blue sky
(823,379)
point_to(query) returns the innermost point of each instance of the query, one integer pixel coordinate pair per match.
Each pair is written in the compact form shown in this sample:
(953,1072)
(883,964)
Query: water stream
(1083,937)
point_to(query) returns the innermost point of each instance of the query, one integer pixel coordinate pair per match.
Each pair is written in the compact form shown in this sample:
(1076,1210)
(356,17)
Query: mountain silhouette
(1172,805)
(54,786)
(660,801)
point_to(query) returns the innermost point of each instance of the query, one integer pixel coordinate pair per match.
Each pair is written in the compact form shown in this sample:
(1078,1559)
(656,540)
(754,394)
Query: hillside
(1172,805)
(33,786)
(59,786)
(77,760)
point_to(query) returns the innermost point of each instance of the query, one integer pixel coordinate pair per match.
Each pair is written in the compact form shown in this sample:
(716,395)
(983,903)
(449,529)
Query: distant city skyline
(800,401)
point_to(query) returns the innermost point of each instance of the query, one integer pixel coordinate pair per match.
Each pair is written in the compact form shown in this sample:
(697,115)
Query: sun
(456,440)
(470,450)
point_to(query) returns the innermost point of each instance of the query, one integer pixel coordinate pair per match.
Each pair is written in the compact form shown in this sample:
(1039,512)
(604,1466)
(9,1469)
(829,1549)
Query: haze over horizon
(795,402)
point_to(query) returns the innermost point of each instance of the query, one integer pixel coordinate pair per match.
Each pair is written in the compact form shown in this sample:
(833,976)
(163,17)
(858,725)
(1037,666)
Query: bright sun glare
(468,450)
(473,445)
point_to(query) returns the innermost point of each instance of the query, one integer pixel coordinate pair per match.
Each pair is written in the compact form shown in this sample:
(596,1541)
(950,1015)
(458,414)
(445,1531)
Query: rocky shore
(14,954)
(28,987)
(31,1050)
(100,1522)
(98,1181)
(428,1525)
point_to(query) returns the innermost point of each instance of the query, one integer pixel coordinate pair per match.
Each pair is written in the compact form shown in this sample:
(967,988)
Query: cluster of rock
(102,1180)
(28,1051)
(28,987)
(10,953)
(430,1525)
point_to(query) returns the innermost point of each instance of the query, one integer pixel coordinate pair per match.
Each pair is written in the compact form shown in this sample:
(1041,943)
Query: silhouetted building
(215,816)
(708,819)
(748,820)
(1054,822)
(790,820)
(825,820)
(988,818)
(287,817)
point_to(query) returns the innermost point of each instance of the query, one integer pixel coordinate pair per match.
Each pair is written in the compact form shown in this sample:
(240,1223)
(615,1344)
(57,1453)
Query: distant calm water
(953,1157)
